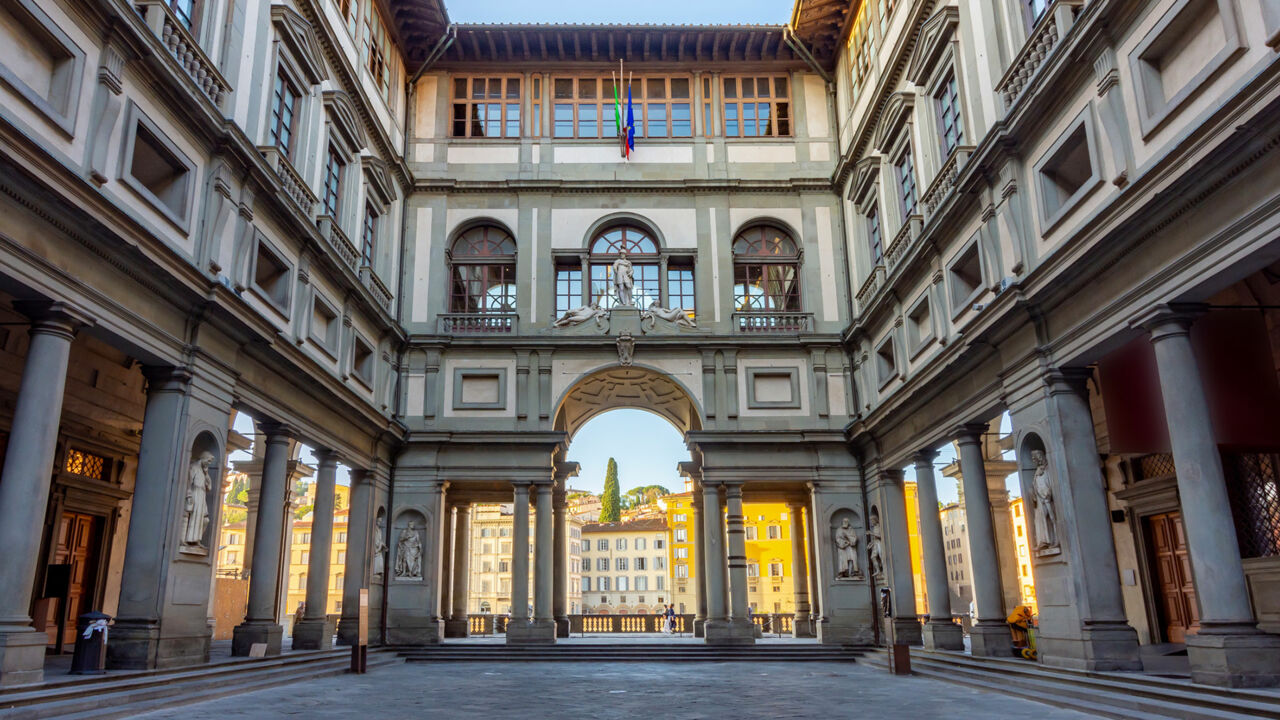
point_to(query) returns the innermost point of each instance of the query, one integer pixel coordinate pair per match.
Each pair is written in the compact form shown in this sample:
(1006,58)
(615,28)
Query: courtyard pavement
(609,690)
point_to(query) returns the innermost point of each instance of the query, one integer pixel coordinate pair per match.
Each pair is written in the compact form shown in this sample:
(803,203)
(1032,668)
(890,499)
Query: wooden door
(78,542)
(1175,589)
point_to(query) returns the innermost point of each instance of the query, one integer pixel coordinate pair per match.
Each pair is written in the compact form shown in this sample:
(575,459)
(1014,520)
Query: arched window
(641,250)
(483,261)
(766,270)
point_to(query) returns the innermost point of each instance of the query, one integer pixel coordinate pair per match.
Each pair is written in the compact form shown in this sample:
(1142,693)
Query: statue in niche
(626,349)
(846,551)
(623,279)
(674,315)
(195,514)
(409,554)
(1045,517)
(579,315)
(380,547)
(875,547)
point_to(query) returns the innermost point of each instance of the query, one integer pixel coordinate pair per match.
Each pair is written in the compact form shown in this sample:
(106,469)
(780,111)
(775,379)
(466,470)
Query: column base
(990,638)
(738,631)
(133,645)
(22,657)
(457,627)
(535,632)
(247,634)
(348,630)
(1246,660)
(314,634)
(802,626)
(699,627)
(942,636)
(415,631)
(847,631)
(1100,647)
(562,626)
(905,631)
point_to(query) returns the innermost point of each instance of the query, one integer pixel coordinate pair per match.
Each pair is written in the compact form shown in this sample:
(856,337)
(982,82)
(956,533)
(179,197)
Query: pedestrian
(671,618)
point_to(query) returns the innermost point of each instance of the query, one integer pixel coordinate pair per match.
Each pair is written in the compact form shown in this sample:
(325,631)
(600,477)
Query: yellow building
(1026,581)
(917,550)
(681,550)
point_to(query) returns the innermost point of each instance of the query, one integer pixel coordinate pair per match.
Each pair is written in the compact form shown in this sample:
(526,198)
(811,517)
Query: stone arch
(479,221)
(637,386)
(623,218)
(773,221)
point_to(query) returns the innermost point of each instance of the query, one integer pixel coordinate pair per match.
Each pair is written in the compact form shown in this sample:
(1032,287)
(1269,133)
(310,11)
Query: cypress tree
(610,502)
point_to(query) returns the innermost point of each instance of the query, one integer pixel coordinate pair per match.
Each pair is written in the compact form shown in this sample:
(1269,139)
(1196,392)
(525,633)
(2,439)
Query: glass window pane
(762,87)
(513,120)
(706,88)
(513,88)
(657,120)
(460,87)
(493,120)
(780,87)
(563,120)
(762,112)
(564,88)
(680,88)
(587,121)
(477,88)
(657,88)
(495,88)
(748,87)
(731,121)
(730,88)
(784,118)
(587,89)
(537,88)
(681,120)
(748,119)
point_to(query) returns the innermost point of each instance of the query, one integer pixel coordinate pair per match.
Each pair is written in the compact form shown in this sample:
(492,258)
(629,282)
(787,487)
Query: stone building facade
(624,567)
(841,243)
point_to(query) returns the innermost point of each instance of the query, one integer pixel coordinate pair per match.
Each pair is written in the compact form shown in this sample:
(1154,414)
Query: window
(1034,10)
(376,47)
(602,564)
(568,288)
(505,532)
(362,360)
(905,168)
(682,553)
(682,571)
(85,464)
(680,517)
(885,13)
(602,545)
(659,583)
(862,45)
(303,538)
(773,532)
(586,584)
(504,566)
(368,235)
(639,544)
(753,570)
(641,250)
(341,557)
(283,107)
(680,287)
(886,361)
(187,12)
(660,563)
(682,535)
(302,581)
(658,543)
(641,583)
(602,584)
(483,261)
(586,565)
(584,107)
(620,544)
(622,585)
(639,564)
(271,276)
(304,556)
(766,271)
(332,183)
(873,232)
(750,532)
(486,107)
(950,124)
(757,107)
(156,171)
(342,536)
(775,569)
(1068,171)
(338,581)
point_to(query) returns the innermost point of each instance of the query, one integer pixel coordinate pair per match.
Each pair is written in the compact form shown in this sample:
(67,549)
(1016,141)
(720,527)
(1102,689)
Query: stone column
(802,624)
(990,635)
(446,564)
(699,564)
(24,485)
(1229,649)
(521,629)
(260,624)
(355,576)
(940,632)
(544,558)
(519,558)
(712,543)
(458,626)
(905,625)
(815,610)
(738,629)
(560,581)
(315,630)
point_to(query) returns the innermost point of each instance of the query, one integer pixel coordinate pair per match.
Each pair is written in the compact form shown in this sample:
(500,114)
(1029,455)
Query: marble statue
(195,517)
(626,349)
(409,554)
(673,315)
(875,546)
(846,551)
(380,548)
(623,279)
(579,315)
(1045,515)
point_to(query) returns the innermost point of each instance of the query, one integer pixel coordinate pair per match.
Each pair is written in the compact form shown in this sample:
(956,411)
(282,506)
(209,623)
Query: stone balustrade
(773,322)
(294,187)
(1044,38)
(376,287)
(338,241)
(907,234)
(477,323)
(945,181)
(870,287)
(183,47)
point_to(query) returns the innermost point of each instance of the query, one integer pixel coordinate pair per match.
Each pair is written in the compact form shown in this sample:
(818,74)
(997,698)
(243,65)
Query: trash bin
(90,656)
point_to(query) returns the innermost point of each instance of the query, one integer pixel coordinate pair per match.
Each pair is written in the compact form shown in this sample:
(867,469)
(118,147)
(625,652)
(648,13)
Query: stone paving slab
(609,691)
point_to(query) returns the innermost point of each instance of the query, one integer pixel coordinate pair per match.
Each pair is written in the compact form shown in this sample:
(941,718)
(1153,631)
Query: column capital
(277,431)
(925,458)
(325,456)
(894,475)
(1169,319)
(1068,380)
(167,378)
(54,317)
(361,476)
(796,505)
(969,433)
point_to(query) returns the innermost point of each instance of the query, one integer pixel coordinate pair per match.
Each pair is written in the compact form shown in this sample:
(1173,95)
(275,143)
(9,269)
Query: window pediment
(934,36)
(379,177)
(897,113)
(345,122)
(300,37)
(866,175)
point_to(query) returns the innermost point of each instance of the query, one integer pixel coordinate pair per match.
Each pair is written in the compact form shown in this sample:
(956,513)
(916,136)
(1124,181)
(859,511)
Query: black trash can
(90,657)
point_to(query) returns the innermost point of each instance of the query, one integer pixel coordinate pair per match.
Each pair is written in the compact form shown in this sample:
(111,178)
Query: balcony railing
(1044,38)
(773,322)
(339,241)
(778,624)
(945,181)
(376,287)
(290,181)
(870,287)
(183,47)
(477,323)
(909,231)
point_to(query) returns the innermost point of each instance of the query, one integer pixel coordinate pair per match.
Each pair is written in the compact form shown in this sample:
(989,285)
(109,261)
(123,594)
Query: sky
(672,12)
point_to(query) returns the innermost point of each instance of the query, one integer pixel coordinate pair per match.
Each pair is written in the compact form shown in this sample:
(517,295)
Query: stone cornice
(685,186)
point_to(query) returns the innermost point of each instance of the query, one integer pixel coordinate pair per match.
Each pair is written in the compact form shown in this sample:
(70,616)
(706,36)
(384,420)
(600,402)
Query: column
(740,629)
(519,558)
(940,632)
(543,558)
(815,610)
(905,626)
(699,571)
(135,635)
(560,582)
(990,634)
(24,485)
(358,550)
(713,532)
(541,629)
(260,624)
(446,563)
(315,630)
(1228,650)
(458,625)
(802,624)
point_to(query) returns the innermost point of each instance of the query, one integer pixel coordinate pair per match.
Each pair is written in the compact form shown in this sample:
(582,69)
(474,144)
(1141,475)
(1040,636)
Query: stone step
(114,696)
(1108,696)
(625,653)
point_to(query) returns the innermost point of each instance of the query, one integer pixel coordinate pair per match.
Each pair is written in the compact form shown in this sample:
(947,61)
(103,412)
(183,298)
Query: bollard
(899,659)
(90,656)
